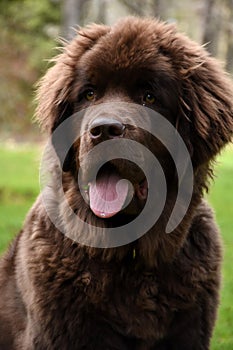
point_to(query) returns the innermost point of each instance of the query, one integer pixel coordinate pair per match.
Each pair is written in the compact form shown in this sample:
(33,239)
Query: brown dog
(161,290)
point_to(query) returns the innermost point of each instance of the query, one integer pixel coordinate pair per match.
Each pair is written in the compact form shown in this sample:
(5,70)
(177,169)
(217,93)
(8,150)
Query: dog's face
(108,72)
(112,81)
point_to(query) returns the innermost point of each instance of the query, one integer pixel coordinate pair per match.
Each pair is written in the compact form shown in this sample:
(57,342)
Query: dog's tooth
(102,214)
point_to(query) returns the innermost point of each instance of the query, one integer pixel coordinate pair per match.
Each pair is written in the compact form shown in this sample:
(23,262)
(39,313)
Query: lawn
(19,186)
(221,197)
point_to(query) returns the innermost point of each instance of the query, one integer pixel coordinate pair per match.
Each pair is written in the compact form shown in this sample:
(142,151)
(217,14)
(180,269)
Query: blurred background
(29,34)
(29,30)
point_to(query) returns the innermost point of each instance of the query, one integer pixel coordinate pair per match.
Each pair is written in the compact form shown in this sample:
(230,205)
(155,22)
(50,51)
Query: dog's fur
(162,290)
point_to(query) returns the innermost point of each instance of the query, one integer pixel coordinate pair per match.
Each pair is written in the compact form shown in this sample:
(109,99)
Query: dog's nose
(103,128)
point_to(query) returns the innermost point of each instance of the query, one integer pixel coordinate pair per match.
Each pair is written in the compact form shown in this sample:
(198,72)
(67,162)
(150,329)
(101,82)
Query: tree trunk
(212,26)
(102,7)
(71,17)
(229,54)
(136,7)
(158,8)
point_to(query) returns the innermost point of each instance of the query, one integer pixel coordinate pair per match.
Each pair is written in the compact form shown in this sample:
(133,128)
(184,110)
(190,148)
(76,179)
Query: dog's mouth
(111,193)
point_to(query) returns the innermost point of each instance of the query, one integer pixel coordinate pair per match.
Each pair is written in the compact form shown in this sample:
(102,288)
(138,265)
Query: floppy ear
(206,99)
(54,89)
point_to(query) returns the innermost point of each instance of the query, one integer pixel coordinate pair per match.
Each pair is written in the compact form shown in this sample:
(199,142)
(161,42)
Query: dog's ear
(54,89)
(54,102)
(206,99)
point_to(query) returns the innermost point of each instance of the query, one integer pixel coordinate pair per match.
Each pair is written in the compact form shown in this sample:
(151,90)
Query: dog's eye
(89,95)
(149,98)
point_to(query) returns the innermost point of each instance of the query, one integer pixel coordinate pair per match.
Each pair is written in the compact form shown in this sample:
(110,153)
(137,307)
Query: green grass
(221,197)
(19,186)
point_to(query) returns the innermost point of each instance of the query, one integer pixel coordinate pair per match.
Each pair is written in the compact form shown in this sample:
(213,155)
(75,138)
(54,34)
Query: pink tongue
(108,195)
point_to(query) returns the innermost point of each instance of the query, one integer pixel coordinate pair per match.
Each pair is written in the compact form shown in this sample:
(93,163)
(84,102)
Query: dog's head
(107,72)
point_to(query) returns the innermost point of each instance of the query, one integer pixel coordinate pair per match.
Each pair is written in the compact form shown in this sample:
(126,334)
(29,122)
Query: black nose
(104,128)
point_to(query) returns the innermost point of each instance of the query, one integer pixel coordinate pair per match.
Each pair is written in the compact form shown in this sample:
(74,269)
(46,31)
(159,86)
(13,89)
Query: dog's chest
(136,302)
(131,299)
(139,302)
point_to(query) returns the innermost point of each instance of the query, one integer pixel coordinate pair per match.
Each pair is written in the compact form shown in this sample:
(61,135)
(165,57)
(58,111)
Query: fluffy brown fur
(161,291)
